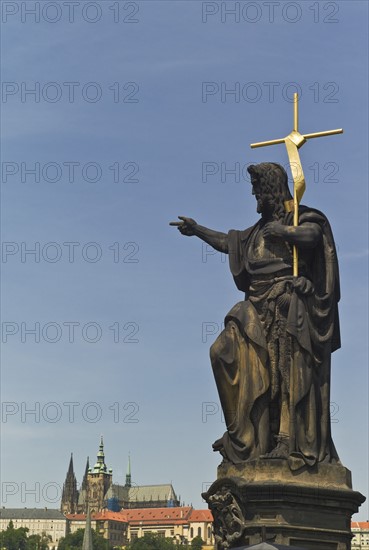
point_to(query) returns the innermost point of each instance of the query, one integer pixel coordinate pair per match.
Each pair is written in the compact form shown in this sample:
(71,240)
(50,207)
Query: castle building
(181,524)
(112,526)
(98,481)
(38,521)
(98,492)
(360,531)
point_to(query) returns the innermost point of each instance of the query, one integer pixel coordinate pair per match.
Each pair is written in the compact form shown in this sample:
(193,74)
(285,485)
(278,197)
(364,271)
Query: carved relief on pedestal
(229,520)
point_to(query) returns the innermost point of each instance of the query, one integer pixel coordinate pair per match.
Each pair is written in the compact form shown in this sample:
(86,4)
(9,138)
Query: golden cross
(293,142)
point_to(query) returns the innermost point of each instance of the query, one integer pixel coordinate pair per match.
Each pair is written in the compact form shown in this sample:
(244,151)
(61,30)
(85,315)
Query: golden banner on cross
(293,142)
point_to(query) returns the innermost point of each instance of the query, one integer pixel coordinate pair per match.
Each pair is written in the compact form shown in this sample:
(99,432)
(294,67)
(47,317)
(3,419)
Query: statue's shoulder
(243,234)
(308,214)
(312,215)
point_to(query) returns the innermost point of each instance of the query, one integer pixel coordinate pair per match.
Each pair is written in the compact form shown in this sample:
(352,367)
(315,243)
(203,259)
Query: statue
(280,479)
(272,361)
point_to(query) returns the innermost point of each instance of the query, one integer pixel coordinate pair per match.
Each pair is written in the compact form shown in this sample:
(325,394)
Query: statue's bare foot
(281,450)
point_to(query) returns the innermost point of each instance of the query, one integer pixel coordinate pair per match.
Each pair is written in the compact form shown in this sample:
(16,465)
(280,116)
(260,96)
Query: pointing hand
(186,226)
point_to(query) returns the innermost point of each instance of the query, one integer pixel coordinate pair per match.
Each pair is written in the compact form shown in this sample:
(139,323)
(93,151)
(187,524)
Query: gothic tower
(128,474)
(83,492)
(69,500)
(99,479)
(84,481)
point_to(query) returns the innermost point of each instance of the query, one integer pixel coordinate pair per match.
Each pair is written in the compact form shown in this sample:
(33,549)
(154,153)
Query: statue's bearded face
(265,204)
(269,186)
(258,192)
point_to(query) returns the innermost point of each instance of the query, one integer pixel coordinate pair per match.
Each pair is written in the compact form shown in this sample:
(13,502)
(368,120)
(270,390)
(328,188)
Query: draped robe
(279,340)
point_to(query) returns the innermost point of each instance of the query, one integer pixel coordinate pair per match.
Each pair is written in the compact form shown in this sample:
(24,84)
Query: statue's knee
(224,341)
(218,347)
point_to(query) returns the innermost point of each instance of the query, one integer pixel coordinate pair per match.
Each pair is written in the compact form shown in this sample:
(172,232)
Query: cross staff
(293,142)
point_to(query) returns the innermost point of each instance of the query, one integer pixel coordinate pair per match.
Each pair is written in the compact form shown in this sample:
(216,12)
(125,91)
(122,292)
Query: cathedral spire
(70,494)
(71,469)
(128,474)
(100,466)
(84,481)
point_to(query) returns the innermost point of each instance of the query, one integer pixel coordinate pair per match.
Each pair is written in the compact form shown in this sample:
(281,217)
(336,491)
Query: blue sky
(140,95)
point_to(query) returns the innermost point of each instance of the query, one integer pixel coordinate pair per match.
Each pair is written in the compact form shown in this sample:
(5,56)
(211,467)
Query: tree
(152,541)
(39,542)
(14,539)
(73,541)
(197,543)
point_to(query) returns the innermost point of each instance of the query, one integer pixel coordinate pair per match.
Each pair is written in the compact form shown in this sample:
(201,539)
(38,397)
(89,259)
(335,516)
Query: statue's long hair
(273,181)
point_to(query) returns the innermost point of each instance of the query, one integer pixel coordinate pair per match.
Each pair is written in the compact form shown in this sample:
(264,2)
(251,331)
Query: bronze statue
(271,363)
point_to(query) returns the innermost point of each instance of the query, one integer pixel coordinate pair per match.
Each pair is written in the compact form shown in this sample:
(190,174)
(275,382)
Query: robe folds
(278,341)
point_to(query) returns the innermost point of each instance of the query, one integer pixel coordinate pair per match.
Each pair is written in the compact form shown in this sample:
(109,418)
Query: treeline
(73,541)
(18,539)
(152,541)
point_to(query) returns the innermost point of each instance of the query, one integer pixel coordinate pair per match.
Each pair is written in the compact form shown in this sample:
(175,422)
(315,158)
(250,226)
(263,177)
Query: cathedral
(98,492)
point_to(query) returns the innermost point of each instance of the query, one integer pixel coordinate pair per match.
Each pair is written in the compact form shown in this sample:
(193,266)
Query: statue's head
(270,187)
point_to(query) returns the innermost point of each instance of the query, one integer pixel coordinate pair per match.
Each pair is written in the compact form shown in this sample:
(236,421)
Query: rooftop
(142,492)
(30,513)
(99,516)
(179,515)
(360,525)
(201,515)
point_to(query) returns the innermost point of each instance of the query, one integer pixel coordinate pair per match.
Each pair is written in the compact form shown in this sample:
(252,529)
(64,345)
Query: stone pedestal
(265,500)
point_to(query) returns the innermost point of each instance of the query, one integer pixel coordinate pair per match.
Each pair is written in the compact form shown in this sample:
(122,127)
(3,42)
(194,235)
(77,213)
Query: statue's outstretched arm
(306,235)
(216,239)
